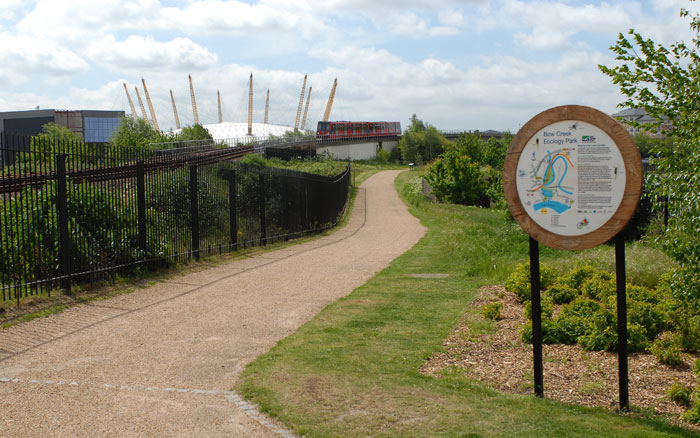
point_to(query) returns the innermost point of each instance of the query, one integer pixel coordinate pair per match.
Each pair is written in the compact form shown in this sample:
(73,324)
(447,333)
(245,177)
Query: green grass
(353,371)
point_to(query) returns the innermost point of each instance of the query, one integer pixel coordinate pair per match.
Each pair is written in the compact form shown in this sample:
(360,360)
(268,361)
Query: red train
(344,130)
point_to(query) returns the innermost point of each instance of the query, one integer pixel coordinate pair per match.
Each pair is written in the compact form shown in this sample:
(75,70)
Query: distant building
(93,126)
(640,116)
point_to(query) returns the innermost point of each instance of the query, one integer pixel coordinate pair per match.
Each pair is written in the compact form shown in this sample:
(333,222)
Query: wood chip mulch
(502,360)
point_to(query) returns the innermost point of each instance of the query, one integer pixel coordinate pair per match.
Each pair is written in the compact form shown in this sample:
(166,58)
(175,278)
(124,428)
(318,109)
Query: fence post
(263,226)
(141,200)
(62,210)
(194,211)
(232,215)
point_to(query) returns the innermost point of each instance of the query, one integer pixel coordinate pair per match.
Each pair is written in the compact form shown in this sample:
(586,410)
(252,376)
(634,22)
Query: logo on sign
(588,139)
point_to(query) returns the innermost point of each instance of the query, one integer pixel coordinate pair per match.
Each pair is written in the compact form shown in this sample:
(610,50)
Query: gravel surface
(161,361)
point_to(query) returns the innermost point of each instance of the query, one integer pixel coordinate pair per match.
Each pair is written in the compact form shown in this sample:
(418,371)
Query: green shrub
(647,315)
(637,338)
(546,305)
(562,293)
(602,334)
(256,159)
(599,286)
(679,394)
(519,281)
(690,333)
(570,327)
(383,156)
(492,311)
(692,415)
(644,294)
(576,277)
(696,367)
(582,307)
(667,349)
(550,332)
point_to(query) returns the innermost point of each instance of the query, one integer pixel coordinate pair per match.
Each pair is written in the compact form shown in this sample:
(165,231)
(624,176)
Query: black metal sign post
(623,375)
(536,317)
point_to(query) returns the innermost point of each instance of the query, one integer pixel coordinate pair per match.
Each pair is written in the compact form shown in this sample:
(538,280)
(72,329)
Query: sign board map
(571,178)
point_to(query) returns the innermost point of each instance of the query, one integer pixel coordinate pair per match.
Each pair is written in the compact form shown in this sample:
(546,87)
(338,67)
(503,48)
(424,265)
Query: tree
(666,83)
(134,134)
(421,143)
(470,171)
(194,132)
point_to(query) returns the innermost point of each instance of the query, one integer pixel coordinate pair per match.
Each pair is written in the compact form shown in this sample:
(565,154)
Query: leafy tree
(647,144)
(55,132)
(665,82)
(421,143)
(470,171)
(134,134)
(194,132)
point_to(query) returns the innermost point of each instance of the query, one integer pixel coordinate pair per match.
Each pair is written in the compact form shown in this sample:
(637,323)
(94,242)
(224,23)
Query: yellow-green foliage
(492,311)
(680,394)
(519,281)
(587,314)
(667,349)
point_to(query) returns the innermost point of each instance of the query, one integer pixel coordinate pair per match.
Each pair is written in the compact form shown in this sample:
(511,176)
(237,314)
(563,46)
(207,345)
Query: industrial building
(93,126)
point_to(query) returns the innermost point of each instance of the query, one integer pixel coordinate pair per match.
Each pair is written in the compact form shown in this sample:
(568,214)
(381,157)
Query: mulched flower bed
(571,374)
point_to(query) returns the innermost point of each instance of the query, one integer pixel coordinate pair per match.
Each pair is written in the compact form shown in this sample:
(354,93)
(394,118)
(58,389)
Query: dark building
(93,126)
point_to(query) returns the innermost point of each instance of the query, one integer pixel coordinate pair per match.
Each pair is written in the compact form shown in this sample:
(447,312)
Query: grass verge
(353,371)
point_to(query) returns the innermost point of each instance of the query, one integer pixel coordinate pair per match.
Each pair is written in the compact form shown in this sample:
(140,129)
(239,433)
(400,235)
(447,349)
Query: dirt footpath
(160,362)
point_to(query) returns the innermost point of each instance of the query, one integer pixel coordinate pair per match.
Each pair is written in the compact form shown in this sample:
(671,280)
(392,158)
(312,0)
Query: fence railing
(73,214)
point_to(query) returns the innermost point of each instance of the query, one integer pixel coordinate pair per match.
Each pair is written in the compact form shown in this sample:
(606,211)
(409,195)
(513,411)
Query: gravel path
(161,361)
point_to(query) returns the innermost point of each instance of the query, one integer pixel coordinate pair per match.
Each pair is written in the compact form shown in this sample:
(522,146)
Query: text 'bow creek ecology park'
(571,177)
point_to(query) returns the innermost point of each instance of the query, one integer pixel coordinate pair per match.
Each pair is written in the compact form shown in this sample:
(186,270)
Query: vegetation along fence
(74,213)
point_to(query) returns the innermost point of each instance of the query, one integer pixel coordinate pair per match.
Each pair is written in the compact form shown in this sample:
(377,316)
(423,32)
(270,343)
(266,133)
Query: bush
(570,328)
(637,338)
(550,332)
(679,394)
(667,349)
(254,159)
(469,171)
(519,281)
(602,334)
(383,156)
(421,143)
(492,311)
(547,307)
(690,333)
(576,277)
(647,315)
(599,286)
(562,293)
(692,415)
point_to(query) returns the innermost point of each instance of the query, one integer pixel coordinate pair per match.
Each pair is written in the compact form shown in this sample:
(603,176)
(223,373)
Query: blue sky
(470,64)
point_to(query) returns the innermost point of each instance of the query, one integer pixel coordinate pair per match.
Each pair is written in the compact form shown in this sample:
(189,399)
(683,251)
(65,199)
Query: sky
(456,64)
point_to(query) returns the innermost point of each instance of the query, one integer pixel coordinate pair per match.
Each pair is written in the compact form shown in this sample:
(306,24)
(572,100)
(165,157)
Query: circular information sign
(572,177)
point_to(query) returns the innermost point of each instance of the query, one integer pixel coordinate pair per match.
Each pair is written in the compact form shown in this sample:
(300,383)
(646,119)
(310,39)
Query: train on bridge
(344,130)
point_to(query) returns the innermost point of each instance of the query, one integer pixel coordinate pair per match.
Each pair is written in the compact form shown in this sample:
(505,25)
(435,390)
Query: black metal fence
(76,214)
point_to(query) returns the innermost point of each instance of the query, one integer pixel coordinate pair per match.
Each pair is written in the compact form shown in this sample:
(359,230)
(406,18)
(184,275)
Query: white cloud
(77,20)
(22,56)
(137,52)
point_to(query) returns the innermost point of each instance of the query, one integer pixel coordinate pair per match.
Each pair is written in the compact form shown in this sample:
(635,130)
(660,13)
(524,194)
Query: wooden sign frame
(633,177)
